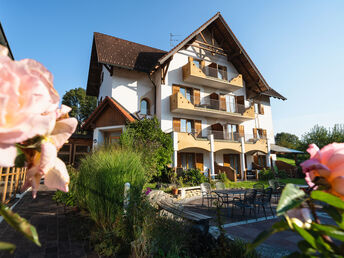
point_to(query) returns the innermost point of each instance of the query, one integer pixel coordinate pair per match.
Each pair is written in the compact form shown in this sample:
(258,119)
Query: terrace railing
(221,135)
(223,105)
(218,73)
(11,180)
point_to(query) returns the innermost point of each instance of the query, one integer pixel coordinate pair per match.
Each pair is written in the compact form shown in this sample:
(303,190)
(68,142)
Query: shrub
(100,184)
(193,177)
(69,198)
(223,178)
(266,174)
(281,174)
(147,137)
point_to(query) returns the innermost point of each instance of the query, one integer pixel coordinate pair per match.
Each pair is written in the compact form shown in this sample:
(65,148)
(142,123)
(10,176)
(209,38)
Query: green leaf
(292,196)
(306,248)
(4,246)
(20,224)
(306,235)
(330,230)
(277,227)
(328,198)
(335,215)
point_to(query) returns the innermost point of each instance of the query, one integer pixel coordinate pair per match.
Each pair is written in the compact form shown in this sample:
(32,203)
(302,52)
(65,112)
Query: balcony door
(214,101)
(232,160)
(217,131)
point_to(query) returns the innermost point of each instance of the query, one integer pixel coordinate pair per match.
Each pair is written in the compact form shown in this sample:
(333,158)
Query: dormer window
(144,107)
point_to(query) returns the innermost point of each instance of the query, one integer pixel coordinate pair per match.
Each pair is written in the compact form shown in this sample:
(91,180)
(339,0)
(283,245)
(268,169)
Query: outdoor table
(225,193)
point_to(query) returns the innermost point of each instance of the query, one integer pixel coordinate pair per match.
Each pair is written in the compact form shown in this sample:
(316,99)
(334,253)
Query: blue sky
(297,45)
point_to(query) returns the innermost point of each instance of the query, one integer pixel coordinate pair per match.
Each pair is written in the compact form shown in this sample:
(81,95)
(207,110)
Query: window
(222,72)
(187,160)
(186,126)
(144,107)
(258,108)
(183,125)
(198,63)
(232,132)
(187,93)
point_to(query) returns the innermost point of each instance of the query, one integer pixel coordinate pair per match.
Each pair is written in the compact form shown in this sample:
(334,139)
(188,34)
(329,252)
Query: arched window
(144,107)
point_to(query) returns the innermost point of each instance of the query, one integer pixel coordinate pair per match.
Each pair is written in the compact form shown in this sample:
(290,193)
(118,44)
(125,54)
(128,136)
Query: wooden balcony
(179,104)
(211,77)
(191,141)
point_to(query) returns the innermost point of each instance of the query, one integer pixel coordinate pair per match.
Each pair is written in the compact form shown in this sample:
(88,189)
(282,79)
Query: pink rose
(46,164)
(27,103)
(327,163)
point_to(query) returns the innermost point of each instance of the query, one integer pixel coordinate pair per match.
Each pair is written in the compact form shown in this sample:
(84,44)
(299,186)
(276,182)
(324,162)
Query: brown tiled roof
(120,53)
(107,102)
(126,54)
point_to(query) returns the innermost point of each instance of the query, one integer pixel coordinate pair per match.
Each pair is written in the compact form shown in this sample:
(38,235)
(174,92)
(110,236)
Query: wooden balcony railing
(11,180)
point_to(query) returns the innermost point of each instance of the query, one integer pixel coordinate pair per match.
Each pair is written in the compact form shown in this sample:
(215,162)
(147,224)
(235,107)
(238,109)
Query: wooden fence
(11,180)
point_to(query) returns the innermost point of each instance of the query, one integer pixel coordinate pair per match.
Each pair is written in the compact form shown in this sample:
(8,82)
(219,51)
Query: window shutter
(261,109)
(197,96)
(175,89)
(264,133)
(199,161)
(241,131)
(255,133)
(223,102)
(176,124)
(198,127)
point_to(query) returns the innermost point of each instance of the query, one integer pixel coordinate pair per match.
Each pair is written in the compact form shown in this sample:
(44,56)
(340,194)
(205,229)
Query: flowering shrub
(324,173)
(31,122)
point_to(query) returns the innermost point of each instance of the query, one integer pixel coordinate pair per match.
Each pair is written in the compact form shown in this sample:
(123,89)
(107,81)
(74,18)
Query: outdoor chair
(277,188)
(265,200)
(223,197)
(247,202)
(220,186)
(207,194)
(259,187)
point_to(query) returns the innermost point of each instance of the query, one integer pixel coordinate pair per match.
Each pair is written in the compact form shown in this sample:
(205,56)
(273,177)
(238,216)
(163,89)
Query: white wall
(128,88)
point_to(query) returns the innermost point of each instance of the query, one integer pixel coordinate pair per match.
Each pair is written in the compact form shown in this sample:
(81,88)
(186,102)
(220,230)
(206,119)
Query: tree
(81,104)
(321,136)
(146,137)
(287,140)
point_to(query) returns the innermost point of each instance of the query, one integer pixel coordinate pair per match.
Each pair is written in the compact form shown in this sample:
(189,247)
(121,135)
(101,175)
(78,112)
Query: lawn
(286,160)
(249,184)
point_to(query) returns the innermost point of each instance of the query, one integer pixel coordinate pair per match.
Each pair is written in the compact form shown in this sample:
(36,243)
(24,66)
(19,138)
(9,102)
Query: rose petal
(312,164)
(48,157)
(8,155)
(63,130)
(57,177)
(33,178)
(329,150)
(3,51)
(63,111)
(313,150)
(338,185)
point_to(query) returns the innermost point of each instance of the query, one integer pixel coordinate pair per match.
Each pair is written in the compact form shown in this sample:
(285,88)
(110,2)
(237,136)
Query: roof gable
(108,113)
(113,51)
(236,54)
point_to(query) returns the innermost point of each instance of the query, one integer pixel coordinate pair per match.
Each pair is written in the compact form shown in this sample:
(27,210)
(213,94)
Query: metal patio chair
(207,194)
(265,201)
(247,202)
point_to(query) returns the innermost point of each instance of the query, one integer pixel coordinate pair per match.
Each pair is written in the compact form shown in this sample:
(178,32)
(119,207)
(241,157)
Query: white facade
(129,88)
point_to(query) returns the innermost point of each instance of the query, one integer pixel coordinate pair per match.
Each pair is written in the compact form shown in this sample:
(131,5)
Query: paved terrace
(278,245)
(61,231)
